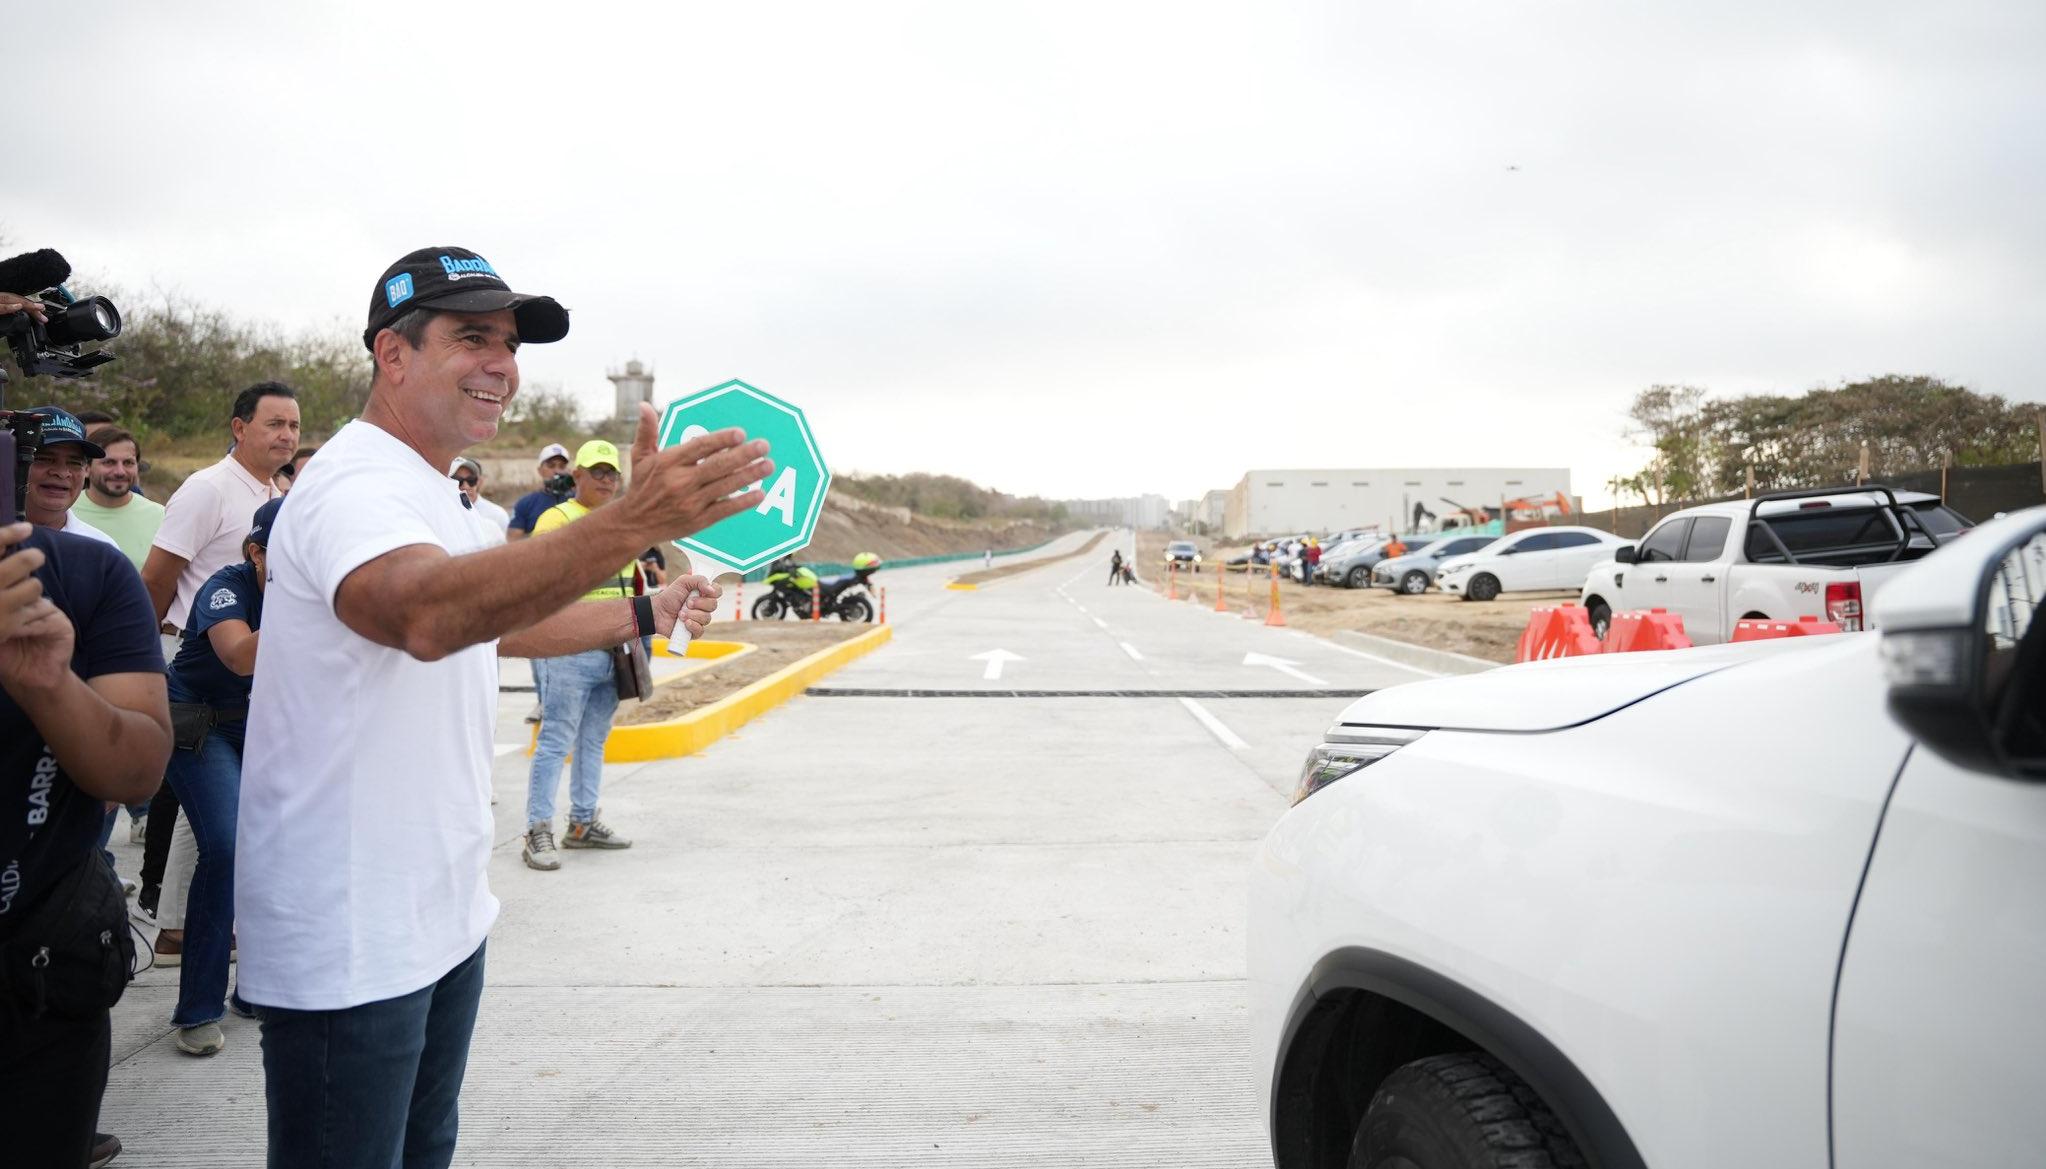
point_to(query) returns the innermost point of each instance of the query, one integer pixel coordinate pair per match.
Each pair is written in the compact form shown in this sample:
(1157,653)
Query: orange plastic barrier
(1765,630)
(1559,631)
(1272,615)
(884,605)
(1172,573)
(1634,631)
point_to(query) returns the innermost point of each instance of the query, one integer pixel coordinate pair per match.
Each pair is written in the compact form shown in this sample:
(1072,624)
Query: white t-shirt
(205,521)
(79,527)
(494,514)
(365,822)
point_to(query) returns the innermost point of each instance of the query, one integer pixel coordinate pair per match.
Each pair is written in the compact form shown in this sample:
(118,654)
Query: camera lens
(93,319)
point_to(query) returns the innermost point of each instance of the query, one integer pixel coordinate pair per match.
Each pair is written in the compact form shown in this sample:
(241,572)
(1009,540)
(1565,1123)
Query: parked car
(1413,573)
(1537,558)
(1767,904)
(1184,552)
(1353,570)
(1821,553)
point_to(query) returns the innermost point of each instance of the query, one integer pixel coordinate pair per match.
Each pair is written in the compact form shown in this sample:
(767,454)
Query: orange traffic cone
(739,599)
(1172,574)
(1272,615)
(1220,607)
(884,606)
(816,604)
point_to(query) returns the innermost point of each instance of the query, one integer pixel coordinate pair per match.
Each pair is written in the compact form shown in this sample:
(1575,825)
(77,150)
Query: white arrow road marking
(1283,665)
(1214,725)
(996,659)
(1131,650)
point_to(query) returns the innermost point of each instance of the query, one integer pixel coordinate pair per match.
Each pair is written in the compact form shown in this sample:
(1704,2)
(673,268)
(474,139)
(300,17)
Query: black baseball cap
(457,280)
(62,426)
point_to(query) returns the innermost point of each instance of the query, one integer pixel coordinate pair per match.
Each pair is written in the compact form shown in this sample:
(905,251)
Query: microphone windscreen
(33,272)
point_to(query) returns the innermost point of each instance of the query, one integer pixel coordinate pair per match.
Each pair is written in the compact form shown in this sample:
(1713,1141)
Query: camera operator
(555,486)
(83,719)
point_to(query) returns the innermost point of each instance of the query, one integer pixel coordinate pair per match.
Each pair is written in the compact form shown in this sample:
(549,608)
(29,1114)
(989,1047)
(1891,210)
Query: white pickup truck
(1778,557)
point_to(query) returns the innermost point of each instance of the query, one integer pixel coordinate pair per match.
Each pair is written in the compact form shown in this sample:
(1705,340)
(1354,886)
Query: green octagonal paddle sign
(785,520)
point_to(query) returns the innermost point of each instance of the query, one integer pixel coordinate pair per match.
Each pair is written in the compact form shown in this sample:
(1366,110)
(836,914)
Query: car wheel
(855,609)
(768,608)
(1464,1110)
(1359,578)
(1483,587)
(1601,618)
(1414,583)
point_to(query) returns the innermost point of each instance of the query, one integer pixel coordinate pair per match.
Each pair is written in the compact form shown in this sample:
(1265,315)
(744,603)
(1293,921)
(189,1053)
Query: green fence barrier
(829,569)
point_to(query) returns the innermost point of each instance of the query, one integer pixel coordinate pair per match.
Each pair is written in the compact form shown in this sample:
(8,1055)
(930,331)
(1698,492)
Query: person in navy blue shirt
(82,720)
(209,685)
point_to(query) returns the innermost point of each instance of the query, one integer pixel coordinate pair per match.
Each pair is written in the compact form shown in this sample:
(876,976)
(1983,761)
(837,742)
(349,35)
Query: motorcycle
(791,586)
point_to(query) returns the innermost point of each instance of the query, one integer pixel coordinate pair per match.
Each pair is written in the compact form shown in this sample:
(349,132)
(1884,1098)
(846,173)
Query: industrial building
(1281,502)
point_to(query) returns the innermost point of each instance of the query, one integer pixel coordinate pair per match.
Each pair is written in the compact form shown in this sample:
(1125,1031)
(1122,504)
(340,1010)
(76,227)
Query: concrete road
(978,900)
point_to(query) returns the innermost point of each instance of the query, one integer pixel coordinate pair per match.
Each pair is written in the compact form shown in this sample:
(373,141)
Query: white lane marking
(1130,650)
(995,659)
(1228,737)
(1370,657)
(503,749)
(1098,621)
(1285,666)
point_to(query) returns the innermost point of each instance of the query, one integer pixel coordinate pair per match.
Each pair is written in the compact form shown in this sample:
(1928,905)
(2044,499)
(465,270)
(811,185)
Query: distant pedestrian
(1312,560)
(1395,547)
(581,691)
(468,474)
(209,694)
(110,502)
(987,558)
(1115,574)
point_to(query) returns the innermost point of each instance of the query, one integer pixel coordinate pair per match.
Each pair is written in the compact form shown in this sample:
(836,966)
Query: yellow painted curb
(961,587)
(700,728)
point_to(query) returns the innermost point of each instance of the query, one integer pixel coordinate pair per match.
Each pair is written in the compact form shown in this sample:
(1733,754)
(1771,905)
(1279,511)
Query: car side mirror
(1624,554)
(1964,653)
(1507,551)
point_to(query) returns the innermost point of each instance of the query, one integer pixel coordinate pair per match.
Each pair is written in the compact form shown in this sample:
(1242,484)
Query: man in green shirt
(578,695)
(110,503)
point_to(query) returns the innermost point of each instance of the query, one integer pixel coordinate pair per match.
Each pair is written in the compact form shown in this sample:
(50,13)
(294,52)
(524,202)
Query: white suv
(1772,904)
(1536,558)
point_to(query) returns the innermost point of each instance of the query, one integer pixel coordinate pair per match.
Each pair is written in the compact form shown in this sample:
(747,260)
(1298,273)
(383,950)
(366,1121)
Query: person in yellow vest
(578,694)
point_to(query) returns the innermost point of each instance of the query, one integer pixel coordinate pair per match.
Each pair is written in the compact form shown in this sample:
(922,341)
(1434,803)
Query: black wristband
(643,615)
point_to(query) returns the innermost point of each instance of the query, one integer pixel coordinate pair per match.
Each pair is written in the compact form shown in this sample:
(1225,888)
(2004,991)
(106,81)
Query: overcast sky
(1086,249)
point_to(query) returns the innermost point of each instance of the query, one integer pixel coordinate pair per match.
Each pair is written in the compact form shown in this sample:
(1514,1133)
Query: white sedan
(1537,558)
(1775,904)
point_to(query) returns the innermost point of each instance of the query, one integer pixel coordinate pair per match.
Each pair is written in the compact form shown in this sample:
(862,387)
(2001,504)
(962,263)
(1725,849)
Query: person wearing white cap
(526,512)
(469,474)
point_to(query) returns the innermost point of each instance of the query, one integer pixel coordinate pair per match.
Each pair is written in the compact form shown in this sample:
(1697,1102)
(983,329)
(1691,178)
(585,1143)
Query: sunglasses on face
(602,474)
(467,480)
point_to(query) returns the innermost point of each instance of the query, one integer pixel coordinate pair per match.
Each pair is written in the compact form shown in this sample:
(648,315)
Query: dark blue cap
(266,519)
(61,426)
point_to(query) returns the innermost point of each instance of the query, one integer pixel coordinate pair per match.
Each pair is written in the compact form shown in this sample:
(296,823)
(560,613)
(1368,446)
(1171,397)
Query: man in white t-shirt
(365,826)
(205,519)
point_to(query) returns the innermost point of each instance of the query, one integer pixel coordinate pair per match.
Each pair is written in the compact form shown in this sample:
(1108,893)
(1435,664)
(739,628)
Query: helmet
(866,562)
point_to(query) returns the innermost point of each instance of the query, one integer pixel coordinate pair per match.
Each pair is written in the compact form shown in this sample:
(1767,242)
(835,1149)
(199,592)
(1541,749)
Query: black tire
(855,609)
(1414,583)
(769,608)
(1601,617)
(1358,578)
(1464,1110)
(1483,587)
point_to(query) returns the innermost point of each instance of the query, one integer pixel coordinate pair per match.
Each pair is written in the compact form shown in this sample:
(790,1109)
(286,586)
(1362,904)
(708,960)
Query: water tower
(634,384)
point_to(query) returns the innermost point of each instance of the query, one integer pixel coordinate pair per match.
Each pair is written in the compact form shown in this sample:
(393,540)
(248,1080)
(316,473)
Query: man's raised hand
(684,489)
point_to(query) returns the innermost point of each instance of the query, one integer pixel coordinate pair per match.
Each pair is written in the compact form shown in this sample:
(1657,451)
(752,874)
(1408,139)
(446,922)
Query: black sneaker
(592,833)
(105,1147)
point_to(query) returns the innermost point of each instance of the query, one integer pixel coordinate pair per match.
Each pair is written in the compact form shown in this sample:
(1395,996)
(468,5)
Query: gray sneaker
(592,833)
(539,851)
(205,1039)
(138,830)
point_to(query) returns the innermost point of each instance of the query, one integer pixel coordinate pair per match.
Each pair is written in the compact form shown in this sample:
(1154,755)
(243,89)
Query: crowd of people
(284,676)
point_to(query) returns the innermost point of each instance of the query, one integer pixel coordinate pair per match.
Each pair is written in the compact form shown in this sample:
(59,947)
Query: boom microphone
(31,272)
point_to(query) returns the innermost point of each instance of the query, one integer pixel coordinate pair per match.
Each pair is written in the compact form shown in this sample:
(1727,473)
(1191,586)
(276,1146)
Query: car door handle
(1708,579)
(1661,580)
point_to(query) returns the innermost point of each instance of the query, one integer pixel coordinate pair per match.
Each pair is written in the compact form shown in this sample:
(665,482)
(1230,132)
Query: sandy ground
(982,576)
(1488,630)
(780,643)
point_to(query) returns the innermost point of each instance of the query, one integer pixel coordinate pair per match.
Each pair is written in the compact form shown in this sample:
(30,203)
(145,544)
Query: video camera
(560,486)
(54,347)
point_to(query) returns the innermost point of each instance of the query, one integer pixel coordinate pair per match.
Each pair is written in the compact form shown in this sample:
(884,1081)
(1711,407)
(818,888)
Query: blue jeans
(375,1086)
(208,783)
(577,699)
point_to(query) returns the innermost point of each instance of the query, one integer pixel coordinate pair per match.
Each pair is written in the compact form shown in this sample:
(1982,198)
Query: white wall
(1328,499)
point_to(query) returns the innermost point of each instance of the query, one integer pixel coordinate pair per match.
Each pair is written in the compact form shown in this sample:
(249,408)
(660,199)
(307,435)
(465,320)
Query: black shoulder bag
(632,673)
(71,953)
